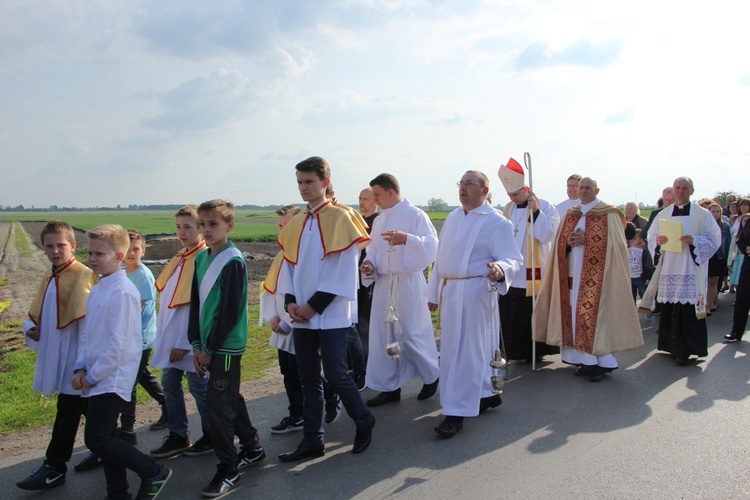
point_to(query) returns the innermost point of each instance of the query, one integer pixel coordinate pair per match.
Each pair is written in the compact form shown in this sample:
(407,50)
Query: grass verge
(21,241)
(21,408)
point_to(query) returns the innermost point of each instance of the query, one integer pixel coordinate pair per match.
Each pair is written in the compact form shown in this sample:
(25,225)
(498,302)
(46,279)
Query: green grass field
(249,225)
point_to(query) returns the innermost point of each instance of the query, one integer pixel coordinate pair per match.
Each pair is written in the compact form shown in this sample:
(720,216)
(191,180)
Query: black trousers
(101,437)
(227,411)
(149,382)
(742,299)
(68,417)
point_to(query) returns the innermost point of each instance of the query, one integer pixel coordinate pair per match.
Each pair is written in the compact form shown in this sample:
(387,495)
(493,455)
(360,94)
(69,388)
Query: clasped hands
(577,238)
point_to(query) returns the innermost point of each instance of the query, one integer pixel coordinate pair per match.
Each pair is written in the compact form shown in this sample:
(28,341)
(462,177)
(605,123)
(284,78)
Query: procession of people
(507,285)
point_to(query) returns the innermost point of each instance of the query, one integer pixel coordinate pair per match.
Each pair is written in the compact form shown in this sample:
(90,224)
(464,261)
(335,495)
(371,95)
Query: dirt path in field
(24,273)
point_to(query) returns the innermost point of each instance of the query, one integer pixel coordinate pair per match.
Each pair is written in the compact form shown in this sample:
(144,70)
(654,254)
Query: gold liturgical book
(672,229)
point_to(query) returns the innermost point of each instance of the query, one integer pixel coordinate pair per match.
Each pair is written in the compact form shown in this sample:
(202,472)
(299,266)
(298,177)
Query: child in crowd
(641,265)
(272,305)
(217,331)
(143,279)
(173,350)
(109,353)
(52,330)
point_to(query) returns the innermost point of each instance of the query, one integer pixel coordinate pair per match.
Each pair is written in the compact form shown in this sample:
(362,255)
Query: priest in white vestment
(476,250)
(404,243)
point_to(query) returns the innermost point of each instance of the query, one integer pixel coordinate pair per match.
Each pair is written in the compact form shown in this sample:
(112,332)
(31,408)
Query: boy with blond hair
(52,330)
(105,372)
(217,331)
(174,353)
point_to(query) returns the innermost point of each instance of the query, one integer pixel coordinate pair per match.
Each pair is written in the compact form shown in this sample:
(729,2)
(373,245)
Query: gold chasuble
(74,282)
(606,320)
(181,295)
(533,272)
(339,229)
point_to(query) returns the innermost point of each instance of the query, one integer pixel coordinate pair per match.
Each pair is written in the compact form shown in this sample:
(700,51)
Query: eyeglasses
(467,183)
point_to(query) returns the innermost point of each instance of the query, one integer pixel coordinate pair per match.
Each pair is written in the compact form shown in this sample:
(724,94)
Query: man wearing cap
(523,211)
(476,250)
(572,189)
(586,286)
(681,276)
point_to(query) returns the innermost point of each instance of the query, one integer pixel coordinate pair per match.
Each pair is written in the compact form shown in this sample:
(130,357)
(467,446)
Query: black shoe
(385,397)
(363,437)
(222,482)
(359,380)
(127,436)
(172,445)
(303,450)
(732,337)
(150,488)
(489,402)
(288,424)
(450,426)
(584,370)
(162,422)
(90,461)
(682,360)
(333,409)
(201,447)
(597,374)
(428,390)
(43,478)
(247,457)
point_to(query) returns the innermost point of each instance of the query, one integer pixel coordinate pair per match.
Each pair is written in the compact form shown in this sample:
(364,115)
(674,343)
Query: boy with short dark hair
(321,253)
(52,330)
(173,352)
(217,330)
(142,277)
(109,353)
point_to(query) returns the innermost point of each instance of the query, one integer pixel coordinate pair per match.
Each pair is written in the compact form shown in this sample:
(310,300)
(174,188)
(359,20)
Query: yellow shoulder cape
(181,295)
(339,229)
(74,282)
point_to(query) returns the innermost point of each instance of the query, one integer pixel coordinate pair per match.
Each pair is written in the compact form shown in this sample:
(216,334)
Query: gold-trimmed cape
(339,229)
(74,282)
(272,277)
(606,320)
(181,295)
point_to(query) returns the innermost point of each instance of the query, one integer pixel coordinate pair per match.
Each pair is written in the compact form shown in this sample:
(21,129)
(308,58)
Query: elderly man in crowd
(580,307)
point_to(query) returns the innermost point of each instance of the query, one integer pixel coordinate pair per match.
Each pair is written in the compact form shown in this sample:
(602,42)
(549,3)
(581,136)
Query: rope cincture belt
(440,299)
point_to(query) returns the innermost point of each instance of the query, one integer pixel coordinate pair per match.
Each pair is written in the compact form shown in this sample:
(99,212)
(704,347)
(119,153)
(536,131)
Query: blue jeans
(328,347)
(356,351)
(171,381)
(637,285)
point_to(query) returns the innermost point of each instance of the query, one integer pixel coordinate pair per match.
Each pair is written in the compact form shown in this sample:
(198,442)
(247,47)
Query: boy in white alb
(272,308)
(109,354)
(173,352)
(52,330)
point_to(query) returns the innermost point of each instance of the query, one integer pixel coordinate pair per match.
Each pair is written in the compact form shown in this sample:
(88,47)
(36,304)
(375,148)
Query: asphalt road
(651,429)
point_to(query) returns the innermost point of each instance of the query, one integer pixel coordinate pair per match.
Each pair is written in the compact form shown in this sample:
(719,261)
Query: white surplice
(57,350)
(680,280)
(468,312)
(172,327)
(401,284)
(272,306)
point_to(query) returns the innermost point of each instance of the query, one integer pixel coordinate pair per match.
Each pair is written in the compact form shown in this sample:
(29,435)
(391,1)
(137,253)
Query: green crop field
(249,225)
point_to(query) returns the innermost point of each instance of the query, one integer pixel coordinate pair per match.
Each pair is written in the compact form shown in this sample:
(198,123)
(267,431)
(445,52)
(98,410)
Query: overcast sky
(119,102)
